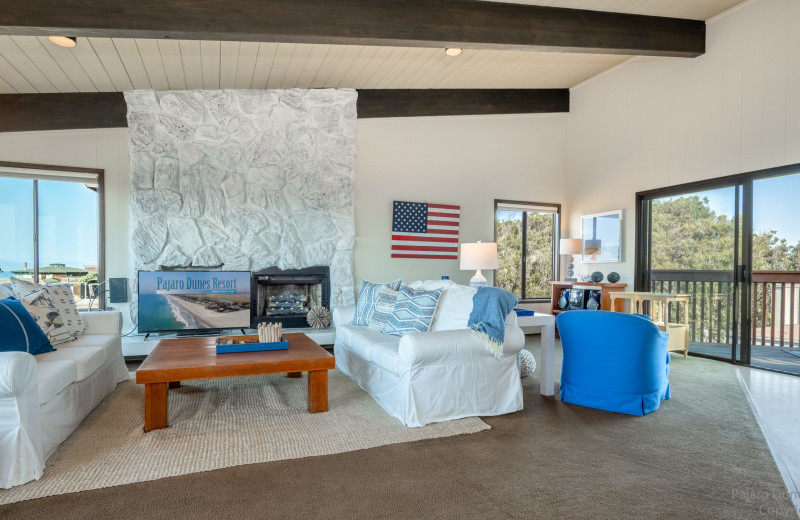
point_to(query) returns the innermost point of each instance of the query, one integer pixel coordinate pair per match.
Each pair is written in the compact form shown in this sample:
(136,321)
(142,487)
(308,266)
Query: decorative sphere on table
(318,317)
(613,277)
(597,277)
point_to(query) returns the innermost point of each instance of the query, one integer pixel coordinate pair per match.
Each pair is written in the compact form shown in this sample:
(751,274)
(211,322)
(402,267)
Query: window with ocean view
(51,228)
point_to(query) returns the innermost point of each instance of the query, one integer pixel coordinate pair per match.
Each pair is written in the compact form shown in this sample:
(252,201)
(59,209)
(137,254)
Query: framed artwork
(602,237)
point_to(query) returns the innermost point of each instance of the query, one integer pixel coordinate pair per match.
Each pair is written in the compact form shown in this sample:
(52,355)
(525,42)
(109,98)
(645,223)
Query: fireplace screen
(287,296)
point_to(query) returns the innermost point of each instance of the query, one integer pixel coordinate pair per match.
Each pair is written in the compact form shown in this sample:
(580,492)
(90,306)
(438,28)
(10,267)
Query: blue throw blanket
(490,307)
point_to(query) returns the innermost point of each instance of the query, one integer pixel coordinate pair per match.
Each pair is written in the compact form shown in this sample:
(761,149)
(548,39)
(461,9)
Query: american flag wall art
(422,230)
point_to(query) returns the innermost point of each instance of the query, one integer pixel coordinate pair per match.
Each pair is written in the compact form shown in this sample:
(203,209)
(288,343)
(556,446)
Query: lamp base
(478,280)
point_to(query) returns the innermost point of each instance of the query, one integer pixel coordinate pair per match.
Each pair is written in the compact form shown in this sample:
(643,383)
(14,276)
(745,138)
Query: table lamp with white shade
(478,255)
(570,246)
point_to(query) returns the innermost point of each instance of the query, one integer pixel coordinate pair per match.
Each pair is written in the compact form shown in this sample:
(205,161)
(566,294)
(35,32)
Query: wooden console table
(658,312)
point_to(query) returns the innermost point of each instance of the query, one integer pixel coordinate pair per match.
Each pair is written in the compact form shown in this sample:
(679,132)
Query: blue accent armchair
(613,361)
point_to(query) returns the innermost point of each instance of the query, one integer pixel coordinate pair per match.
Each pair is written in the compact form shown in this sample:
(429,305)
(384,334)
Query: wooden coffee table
(182,359)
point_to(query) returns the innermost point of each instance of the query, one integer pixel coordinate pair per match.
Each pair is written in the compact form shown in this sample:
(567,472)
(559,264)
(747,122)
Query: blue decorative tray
(523,312)
(247,344)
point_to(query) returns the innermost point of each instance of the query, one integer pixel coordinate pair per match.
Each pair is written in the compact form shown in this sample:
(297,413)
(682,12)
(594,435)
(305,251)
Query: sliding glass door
(732,246)
(692,241)
(776,274)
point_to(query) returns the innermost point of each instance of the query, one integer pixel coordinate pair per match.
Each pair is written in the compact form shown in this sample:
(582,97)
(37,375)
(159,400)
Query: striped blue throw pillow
(20,332)
(367,296)
(413,311)
(384,306)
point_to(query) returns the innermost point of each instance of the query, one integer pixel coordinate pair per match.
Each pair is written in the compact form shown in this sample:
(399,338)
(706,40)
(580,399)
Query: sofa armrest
(21,457)
(343,315)
(453,346)
(17,373)
(102,322)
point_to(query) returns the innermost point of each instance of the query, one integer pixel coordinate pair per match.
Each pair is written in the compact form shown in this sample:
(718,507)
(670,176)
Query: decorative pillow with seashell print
(63,299)
(46,315)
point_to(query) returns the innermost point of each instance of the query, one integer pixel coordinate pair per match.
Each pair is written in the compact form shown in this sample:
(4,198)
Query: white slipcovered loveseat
(443,374)
(43,398)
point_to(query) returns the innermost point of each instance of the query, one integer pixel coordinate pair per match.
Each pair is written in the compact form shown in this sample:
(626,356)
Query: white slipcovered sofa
(443,374)
(44,398)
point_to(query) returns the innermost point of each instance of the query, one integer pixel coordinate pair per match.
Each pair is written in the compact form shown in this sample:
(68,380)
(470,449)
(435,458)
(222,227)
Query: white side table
(547,322)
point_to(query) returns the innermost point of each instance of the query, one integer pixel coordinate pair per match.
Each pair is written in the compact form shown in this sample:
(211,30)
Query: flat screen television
(193,301)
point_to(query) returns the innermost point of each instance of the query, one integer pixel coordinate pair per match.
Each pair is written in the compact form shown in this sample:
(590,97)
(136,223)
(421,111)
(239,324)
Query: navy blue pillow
(19,331)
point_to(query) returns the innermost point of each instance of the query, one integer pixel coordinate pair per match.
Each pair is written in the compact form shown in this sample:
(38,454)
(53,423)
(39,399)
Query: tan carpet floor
(217,424)
(696,457)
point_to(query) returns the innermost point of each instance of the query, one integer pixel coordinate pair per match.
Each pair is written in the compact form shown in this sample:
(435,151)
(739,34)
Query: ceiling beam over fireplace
(30,112)
(406,23)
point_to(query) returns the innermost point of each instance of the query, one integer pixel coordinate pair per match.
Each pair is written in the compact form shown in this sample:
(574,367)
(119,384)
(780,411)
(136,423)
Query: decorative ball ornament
(613,277)
(526,363)
(319,317)
(597,277)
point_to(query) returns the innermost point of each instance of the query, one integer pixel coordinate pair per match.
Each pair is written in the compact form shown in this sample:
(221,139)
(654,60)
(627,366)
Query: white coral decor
(319,317)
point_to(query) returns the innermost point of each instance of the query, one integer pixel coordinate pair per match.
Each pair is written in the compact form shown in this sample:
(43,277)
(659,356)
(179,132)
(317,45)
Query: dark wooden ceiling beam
(460,102)
(31,112)
(414,23)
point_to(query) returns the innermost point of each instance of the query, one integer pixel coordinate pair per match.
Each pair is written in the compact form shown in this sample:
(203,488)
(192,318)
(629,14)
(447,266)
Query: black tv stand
(209,332)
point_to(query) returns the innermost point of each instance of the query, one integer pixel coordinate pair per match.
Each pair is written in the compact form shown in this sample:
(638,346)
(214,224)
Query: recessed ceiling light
(453,51)
(64,41)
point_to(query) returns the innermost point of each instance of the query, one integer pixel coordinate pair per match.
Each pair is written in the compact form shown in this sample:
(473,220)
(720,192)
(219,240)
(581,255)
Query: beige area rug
(218,424)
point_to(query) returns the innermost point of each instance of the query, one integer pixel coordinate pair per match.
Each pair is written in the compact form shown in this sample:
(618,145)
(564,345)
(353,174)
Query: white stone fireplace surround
(243,180)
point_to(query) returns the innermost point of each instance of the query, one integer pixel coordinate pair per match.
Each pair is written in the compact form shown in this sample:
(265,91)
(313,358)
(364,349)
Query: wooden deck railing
(775,308)
(776,304)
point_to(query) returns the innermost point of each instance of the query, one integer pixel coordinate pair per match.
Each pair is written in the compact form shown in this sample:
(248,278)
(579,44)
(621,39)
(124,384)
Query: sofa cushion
(384,305)
(6,291)
(413,311)
(367,296)
(455,306)
(87,359)
(108,342)
(54,376)
(385,355)
(62,298)
(429,285)
(19,330)
(372,345)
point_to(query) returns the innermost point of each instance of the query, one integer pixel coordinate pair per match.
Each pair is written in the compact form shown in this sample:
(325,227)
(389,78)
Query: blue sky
(67,223)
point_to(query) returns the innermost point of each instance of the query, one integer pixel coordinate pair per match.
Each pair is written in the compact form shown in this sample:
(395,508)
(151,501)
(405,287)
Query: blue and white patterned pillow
(367,296)
(63,300)
(413,311)
(384,306)
(46,315)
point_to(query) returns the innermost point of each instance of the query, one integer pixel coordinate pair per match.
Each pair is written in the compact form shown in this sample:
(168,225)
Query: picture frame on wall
(602,237)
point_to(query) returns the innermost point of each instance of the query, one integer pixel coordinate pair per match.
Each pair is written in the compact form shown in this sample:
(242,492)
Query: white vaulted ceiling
(31,64)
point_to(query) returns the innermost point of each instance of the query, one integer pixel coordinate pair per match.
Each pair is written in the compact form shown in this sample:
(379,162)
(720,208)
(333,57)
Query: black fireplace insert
(285,296)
